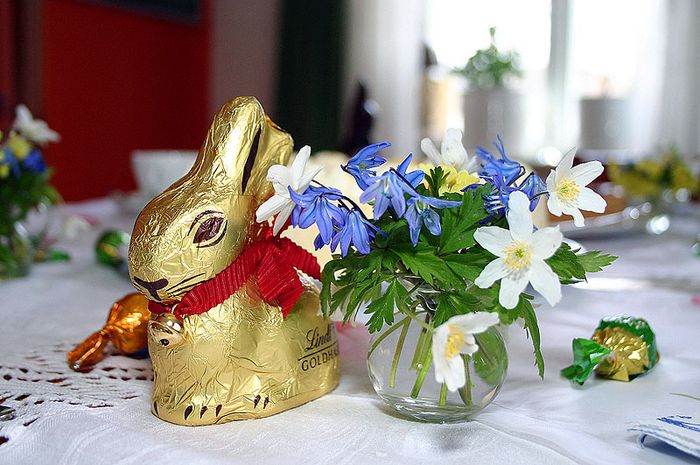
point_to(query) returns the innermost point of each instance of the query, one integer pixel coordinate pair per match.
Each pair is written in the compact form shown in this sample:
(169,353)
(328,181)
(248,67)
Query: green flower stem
(419,347)
(466,392)
(424,346)
(415,318)
(443,395)
(385,335)
(397,353)
(423,371)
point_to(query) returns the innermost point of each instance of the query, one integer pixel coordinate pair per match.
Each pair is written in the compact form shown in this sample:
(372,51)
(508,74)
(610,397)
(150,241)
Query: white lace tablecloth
(103,416)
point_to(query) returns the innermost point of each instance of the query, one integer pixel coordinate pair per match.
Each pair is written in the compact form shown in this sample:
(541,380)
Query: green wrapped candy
(621,348)
(111,249)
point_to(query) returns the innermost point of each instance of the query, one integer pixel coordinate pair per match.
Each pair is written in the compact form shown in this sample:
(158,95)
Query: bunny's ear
(273,146)
(241,145)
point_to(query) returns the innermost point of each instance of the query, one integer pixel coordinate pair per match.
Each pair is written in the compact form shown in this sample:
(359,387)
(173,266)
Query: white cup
(155,170)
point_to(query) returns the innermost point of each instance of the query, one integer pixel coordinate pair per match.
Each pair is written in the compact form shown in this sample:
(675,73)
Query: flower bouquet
(24,186)
(658,187)
(667,177)
(446,254)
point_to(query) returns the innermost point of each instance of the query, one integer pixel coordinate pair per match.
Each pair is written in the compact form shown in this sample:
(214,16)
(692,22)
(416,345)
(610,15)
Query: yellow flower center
(455,341)
(568,190)
(19,146)
(517,256)
(455,180)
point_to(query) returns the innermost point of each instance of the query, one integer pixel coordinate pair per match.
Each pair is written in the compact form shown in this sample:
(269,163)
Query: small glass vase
(401,369)
(16,253)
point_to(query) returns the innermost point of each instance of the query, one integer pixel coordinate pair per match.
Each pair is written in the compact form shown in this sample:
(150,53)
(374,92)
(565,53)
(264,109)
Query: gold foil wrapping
(630,356)
(240,359)
(126,329)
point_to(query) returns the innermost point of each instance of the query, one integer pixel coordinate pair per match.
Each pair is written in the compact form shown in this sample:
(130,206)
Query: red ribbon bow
(273,260)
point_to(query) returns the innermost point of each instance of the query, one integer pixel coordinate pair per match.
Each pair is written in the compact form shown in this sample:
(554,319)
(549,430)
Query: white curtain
(679,101)
(666,99)
(385,51)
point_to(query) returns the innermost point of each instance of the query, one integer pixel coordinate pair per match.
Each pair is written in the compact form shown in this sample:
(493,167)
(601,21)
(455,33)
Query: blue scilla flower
(359,166)
(496,202)
(387,189)
(8,163)
(414,177)
(337,223)
(534,188)
(34,162)
(316,205)
(504,168)
(356,230)
(419,213)
(391,187)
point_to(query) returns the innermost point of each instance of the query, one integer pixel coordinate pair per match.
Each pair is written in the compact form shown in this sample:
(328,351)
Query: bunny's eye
(210,231)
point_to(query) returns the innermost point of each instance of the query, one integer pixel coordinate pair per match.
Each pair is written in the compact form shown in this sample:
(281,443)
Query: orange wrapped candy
(126,328)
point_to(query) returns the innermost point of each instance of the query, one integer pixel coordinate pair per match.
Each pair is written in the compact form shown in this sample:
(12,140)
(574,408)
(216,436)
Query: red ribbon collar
(272,260)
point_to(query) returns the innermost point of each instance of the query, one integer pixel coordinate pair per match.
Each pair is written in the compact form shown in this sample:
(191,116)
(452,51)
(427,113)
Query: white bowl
(155,170)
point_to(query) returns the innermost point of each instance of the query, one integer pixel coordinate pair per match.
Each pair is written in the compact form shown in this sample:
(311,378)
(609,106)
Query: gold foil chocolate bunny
(236,330)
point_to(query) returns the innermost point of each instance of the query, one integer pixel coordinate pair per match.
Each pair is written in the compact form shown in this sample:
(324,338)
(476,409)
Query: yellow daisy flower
(455,180)
(19,145)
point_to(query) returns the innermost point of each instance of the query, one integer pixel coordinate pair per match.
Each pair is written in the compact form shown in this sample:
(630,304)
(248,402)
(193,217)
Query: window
(570,50)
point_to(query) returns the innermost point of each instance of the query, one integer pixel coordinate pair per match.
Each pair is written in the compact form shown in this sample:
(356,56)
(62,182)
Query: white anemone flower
(455,337)
(568,193)
(521,255)
(283,178)
(35,130)
(452,152)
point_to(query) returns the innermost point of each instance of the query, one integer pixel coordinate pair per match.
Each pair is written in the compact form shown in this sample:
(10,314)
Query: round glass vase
(15,251)
(401,369)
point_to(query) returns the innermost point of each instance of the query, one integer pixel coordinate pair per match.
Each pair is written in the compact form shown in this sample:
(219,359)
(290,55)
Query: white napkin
(679,431)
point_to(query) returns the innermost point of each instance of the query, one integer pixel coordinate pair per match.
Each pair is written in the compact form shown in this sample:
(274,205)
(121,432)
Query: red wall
(114,81)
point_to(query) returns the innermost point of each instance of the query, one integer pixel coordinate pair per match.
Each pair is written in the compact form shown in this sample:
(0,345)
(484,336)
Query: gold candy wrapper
(629,356)
(621,348)
(241,358)
(126,329)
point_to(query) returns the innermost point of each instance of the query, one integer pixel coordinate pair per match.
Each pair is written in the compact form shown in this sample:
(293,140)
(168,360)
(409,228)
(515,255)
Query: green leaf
(382,308)
(456,302)
(364,291)
(469,264)
(54,255)
(339,298)
(595,261)
(367,264)
(572,267)
(423,261)
(566,264)
(525,310)
(435,179)
(459,224)
(491,360)
(327,280)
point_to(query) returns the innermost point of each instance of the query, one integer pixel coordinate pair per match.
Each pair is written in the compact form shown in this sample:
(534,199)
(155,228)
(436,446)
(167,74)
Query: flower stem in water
(443,395)
(423,368)
(397,355)
(385,335)
(421,345)
(466,392)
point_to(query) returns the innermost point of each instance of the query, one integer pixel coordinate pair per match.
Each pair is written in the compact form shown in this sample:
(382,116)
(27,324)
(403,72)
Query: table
(103,416)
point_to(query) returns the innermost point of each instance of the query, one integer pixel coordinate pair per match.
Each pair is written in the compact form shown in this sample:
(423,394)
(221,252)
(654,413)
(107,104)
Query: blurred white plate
(155,170)
(630,220)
